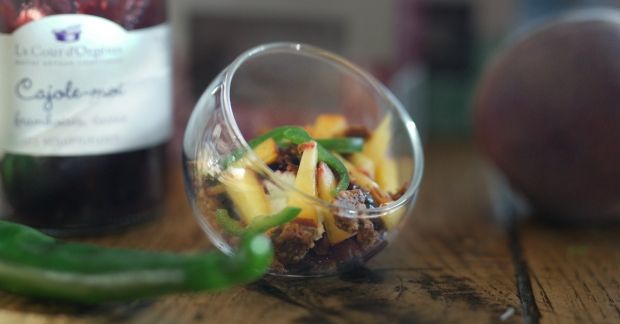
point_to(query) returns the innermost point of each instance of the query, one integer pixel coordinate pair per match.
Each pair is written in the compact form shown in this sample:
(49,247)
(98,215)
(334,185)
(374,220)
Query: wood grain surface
(575,273)
(452,263)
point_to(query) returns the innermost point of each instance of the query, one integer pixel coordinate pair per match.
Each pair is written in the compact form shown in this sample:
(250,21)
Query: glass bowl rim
(360,74)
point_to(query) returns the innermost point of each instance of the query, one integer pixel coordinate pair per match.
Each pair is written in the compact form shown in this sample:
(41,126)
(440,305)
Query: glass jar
(85,112)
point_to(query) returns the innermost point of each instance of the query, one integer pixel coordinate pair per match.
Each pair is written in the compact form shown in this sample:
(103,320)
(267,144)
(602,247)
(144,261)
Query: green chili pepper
(37,265)
(336,165)
(339,144)
(258,225)
(275,133)
(298,135)
(342,144)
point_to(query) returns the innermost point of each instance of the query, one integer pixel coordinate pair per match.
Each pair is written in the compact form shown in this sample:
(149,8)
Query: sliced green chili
(336,165)
(258,225)
(228,224)
(338,144)
(275,133)
(342,144)
(298,135)
(34,264)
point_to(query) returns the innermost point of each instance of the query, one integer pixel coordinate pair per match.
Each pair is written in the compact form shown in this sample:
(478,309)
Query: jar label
(79,85)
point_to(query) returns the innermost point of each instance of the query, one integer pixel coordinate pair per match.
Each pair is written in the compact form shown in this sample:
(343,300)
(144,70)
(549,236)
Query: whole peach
(547,113)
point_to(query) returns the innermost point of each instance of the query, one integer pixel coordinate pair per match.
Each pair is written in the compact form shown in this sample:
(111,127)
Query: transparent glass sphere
(292,84)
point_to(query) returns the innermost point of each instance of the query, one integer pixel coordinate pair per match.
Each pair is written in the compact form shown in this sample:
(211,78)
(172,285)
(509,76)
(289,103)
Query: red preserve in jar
(85,112)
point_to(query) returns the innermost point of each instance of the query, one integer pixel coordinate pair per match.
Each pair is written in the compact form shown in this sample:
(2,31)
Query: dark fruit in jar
(547,114)
(84,192)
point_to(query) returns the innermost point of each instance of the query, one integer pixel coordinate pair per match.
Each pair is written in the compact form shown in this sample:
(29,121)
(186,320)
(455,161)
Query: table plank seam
(531,314)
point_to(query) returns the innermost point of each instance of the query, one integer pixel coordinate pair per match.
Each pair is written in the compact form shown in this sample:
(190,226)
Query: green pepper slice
(259,225)
(298,135)
(34,264)
(342,144)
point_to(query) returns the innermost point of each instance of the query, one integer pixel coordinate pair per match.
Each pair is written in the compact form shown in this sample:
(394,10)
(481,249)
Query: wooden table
(452,263)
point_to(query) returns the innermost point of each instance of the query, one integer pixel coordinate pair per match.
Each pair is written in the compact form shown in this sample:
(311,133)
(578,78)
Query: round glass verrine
(291,84)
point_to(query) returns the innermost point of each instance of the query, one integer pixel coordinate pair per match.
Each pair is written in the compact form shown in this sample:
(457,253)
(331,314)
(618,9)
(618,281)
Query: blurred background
(429,52)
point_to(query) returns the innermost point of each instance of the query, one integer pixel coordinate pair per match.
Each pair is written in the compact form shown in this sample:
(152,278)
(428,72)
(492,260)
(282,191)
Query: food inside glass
(329,184)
